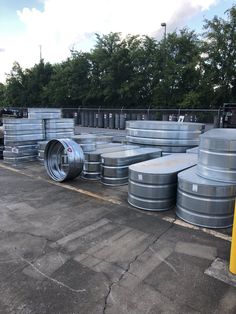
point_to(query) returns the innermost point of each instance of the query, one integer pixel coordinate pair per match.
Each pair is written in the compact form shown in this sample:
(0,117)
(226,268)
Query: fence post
(232,263)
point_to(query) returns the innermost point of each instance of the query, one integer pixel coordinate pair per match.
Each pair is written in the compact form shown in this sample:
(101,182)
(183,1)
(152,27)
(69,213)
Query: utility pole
(165,55)
(40,53)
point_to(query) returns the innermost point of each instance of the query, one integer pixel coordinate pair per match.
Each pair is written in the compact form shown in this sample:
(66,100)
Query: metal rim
(63,159)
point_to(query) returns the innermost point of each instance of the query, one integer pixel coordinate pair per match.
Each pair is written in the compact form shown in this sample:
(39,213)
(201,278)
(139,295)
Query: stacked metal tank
(92,160)
(115,166)
(206,193)
(44,113)
(20,139)
(41,150)
(153,183)
(171,137)
(59,128)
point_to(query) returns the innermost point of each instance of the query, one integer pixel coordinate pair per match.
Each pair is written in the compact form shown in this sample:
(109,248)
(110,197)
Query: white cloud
(64,23)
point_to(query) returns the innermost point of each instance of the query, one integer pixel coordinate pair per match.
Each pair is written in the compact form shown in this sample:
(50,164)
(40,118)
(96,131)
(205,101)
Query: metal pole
(232,263)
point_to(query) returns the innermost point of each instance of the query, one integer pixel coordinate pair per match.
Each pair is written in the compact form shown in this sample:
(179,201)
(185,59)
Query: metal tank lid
(165,165)
(219,140)
(164,125)
(189,181)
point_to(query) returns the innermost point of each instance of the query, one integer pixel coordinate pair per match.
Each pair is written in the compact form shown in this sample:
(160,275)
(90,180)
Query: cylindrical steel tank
(117,120)
(105,120)
(204,202)
(217,155)
(152,183)
(111,120)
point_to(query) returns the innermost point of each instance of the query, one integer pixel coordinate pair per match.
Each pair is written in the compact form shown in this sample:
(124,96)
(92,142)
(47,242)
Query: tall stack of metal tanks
(20,139)
(206,193)
(55,126)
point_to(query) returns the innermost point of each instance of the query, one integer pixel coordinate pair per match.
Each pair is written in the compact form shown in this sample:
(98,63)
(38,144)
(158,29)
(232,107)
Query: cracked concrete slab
(66,252)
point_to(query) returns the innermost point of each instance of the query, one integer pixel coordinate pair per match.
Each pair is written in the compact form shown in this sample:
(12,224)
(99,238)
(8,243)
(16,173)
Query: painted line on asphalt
(64,185)
(212,232)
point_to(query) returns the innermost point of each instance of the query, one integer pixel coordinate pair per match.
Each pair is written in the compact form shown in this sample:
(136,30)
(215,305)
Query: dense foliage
(183,70)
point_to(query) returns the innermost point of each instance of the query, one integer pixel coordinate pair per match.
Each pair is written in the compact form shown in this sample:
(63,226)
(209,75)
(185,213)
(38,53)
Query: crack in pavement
(130,264)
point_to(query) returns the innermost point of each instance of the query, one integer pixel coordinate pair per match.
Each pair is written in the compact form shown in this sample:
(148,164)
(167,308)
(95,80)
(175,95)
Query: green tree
(219,59)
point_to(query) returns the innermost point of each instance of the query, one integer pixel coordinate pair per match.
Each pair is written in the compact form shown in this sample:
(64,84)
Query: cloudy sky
(58,25)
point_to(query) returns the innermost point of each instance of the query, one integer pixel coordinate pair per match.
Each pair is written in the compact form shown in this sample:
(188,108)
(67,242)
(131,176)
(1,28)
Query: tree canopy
(183,70)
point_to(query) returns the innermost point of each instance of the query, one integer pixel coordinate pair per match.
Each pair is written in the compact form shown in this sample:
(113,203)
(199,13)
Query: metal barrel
(114,166)
(122,121)
(204,202)
(105,120)
(100,120)
(95,119)
(44,113)
(169,136)
(117,120)
(133,116)
(86,118)
(64,159)
(217,155)
(193,150)
(91,119)
(111,120)
(82,118)
(139,116)
(152,183)
(94,159)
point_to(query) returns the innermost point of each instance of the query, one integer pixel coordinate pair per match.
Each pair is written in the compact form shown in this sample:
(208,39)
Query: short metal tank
(204,202)
(115,166)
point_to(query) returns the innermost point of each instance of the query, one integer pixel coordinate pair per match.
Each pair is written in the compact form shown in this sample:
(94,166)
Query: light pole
(164,25)
(164,72)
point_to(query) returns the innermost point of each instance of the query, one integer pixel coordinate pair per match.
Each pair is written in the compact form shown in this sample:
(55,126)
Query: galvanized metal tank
(44,113)
(59,128)
(92,162)
(217,155)
(115,166)
(204,202)
(20,139)
(172,137)
(153,183)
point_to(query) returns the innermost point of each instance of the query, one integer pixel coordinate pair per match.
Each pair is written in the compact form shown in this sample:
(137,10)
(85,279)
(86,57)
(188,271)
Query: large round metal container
(204,202)
(86,118)
(91,119)
(217,155)
(152,183)
(105,120)
(100,120)
(44,113)
(63,159)
(122,121)
(114,166)
(111,120)
(117,120)
(172,136)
